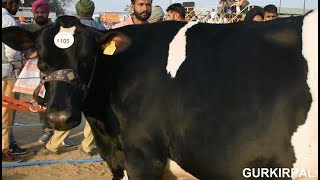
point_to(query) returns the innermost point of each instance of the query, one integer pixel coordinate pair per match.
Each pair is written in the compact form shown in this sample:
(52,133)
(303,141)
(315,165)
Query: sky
(119,5)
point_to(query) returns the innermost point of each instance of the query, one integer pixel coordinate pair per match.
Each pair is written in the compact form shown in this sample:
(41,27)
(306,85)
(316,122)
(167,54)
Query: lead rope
(93,69)
(15,104)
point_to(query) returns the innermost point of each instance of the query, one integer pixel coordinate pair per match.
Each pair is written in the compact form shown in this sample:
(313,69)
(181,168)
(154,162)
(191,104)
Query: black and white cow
(216,99)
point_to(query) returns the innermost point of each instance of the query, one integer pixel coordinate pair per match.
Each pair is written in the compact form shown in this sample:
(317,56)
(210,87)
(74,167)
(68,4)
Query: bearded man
(40,10)
(141,12)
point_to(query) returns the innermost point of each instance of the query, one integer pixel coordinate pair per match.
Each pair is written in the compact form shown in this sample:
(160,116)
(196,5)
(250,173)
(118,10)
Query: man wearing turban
(40,10)
(85,9)
(157,14)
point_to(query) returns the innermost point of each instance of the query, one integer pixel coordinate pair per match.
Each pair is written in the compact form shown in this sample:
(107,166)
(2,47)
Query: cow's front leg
(108,148)
(145,161)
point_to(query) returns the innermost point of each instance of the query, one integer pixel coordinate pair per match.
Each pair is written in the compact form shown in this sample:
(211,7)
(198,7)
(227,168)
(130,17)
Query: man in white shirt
(11,65)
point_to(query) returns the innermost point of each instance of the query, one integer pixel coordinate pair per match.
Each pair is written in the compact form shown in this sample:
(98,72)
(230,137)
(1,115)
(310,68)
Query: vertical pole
(22,2)
(304,6)
(279,8)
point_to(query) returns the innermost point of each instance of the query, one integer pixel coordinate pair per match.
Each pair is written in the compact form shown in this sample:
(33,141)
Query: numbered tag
(63,40)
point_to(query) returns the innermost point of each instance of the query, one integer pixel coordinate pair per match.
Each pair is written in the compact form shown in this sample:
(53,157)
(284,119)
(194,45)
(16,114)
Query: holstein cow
(225,102)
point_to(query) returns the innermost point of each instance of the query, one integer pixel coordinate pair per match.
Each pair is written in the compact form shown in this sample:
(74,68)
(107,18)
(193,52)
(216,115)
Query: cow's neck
(98,92)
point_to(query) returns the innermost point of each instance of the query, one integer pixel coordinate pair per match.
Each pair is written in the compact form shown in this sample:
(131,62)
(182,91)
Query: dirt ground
(27,137)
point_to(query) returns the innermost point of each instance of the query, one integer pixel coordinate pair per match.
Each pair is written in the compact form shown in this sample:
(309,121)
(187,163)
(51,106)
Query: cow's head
(67,51)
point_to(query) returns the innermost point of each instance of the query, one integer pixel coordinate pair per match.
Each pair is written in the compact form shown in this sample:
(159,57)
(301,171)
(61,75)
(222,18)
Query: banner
(110,17)
(29,79)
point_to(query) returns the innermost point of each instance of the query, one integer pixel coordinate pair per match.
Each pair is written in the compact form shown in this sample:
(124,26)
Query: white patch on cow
(125,177)
(68,30)
(173,169)
(64,38)
(305,140)
(177,50)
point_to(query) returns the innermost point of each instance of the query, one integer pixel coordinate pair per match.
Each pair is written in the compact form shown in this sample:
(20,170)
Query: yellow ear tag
(110,49)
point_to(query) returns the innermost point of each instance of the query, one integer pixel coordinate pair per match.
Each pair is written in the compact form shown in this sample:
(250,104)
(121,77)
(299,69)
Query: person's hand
(31,55)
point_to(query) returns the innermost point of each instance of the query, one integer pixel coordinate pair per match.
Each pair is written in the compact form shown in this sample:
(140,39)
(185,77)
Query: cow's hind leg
(116,164)
(117,173)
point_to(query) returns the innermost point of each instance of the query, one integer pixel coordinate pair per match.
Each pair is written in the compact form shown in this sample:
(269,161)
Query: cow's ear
(17,38)
(114,43)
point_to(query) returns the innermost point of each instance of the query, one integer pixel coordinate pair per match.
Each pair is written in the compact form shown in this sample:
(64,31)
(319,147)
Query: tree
(128,9)
(57,6)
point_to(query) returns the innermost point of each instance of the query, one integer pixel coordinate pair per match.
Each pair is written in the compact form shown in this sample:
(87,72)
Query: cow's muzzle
(62,120)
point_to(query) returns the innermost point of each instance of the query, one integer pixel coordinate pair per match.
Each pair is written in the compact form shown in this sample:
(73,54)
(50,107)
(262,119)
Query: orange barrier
(22,18)
(18,105)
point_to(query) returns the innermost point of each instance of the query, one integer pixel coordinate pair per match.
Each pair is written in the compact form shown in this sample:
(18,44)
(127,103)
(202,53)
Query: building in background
(286,12)
(108,19)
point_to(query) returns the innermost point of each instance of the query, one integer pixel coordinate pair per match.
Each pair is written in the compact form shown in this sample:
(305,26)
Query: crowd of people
(253,13)
(224,13)
(13,61)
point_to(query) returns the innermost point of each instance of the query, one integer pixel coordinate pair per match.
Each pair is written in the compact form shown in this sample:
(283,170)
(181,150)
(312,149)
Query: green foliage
(127,9)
